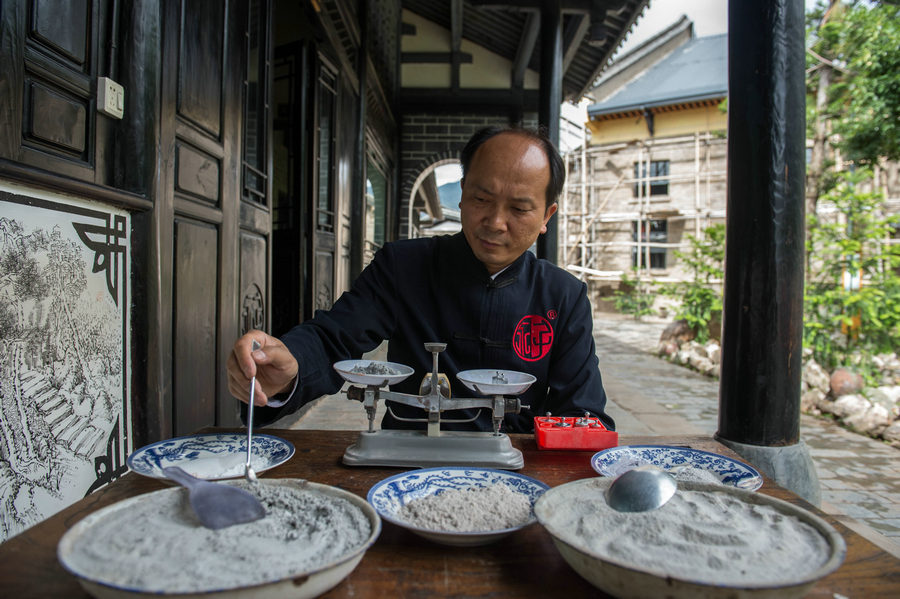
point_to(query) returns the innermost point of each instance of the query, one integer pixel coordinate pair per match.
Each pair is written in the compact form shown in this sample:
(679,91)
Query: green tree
(852,299)
(633,296)
(853,61)
(701,296)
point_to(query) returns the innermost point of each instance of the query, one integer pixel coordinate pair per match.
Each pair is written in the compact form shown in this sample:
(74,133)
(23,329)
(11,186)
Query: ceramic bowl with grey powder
(709,540)
(311,538)
(458,505)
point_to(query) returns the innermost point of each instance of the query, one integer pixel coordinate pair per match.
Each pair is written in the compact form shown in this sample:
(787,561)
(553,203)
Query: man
(481,292)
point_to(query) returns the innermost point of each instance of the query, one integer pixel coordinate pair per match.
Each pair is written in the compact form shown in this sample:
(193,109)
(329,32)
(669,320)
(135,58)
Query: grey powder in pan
(711,537)
(158,545)
(480,509)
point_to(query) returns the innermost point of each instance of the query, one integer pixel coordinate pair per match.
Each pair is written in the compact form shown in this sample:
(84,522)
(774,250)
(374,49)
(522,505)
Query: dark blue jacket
(533,317)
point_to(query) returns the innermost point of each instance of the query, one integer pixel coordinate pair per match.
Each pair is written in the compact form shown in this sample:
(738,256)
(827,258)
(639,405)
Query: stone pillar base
(790,466)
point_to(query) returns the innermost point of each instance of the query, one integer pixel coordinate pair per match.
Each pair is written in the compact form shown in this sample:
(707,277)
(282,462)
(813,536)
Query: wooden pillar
(550,101)
(759,401)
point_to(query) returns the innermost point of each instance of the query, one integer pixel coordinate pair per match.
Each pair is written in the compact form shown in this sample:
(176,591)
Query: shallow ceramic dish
(300,584)
(496,382)
(215,456)
(617,460)
(398,372)
(614,573)
(390,495)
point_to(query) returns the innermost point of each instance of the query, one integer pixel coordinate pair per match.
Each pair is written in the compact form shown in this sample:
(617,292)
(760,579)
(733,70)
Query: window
(256,105)
(376,204)
(327,94)
(659,233)
(659,182)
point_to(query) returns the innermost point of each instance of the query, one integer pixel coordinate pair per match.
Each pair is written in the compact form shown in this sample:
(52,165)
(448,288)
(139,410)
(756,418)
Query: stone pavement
(859,476)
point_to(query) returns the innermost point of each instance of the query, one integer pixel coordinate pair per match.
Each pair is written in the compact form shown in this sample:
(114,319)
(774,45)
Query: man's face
(504,196)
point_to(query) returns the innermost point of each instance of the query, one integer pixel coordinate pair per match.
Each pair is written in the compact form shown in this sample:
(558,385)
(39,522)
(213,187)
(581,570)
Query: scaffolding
(639,199)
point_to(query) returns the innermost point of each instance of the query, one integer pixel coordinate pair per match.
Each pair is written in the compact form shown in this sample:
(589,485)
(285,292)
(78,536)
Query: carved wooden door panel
(324,216)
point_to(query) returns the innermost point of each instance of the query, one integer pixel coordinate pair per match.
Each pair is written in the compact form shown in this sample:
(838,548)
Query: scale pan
(488,381)
(372,372)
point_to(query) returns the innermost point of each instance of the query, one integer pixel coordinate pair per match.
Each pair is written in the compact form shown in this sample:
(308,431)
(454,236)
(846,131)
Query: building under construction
(653,171)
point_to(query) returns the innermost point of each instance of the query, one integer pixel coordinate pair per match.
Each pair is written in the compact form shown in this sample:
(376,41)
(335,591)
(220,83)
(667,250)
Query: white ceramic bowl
(618,460)
(301,584)
(211,456)
(621,578)
(390,495)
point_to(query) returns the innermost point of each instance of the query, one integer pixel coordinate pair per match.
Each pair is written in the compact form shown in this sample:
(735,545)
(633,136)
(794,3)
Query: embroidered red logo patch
(532,338)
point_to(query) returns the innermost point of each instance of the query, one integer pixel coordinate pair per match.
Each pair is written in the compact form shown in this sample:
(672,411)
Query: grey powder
(159,546)
(710,537)
(496,507)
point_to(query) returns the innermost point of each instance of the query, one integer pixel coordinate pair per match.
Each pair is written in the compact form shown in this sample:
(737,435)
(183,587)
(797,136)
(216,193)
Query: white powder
(704,536)
(483,509)
(158,545)
(698,475)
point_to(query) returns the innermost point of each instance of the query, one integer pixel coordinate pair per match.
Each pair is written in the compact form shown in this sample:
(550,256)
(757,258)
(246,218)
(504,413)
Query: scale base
(451,448)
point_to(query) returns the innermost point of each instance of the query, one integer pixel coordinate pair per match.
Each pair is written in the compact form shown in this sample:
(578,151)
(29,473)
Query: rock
(887,396)
(714,352)
(816,377)
(678,331)
(667,349)
(872,421)
(892,434)
(845,382)
(697,349)
(700,363)
(809,401)
(846,406)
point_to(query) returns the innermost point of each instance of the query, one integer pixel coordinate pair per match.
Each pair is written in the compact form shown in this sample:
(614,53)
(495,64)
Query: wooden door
(325,219)
(212,210)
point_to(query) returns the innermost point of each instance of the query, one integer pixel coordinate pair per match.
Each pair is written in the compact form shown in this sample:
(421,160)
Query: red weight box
(577,432)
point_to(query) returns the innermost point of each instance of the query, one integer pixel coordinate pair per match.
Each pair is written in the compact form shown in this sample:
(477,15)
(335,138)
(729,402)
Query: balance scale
(434,447)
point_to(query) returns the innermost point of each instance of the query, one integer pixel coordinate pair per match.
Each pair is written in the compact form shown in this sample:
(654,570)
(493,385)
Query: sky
(710,17)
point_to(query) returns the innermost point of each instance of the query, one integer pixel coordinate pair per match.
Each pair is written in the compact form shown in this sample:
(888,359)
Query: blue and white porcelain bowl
(214,456)
(390,495)
(617,460)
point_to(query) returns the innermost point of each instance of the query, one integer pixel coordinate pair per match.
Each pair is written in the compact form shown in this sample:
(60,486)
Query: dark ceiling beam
(526,49)
(436,57)
(568,6)
(574,33)
(456,31)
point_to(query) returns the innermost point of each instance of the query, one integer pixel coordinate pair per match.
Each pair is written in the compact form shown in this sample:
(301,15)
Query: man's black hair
(557,168)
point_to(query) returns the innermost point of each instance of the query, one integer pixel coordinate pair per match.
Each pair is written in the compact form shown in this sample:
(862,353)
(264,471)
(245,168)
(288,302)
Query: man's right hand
(273,365)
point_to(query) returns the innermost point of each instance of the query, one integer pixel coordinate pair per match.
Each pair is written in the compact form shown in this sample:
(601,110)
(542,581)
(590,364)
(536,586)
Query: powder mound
(476,509)
(699,475)
(704,536)
(157,545)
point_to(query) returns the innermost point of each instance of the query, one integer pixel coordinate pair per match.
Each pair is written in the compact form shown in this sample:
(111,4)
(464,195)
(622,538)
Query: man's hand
(273,365)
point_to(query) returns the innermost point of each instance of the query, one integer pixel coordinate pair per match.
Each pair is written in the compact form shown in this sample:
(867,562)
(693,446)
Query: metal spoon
(641,489)
(217,505)
(248,469)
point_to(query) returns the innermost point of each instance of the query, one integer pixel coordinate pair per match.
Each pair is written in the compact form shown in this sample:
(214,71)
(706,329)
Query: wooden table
(401,564)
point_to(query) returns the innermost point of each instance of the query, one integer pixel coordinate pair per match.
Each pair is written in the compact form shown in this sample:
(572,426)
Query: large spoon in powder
(217,505)
(641,489)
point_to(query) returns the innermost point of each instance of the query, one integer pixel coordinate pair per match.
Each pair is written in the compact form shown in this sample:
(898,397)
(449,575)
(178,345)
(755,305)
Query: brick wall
(429,138)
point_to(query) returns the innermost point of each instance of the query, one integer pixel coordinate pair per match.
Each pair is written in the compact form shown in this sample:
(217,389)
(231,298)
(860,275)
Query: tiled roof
(696,71)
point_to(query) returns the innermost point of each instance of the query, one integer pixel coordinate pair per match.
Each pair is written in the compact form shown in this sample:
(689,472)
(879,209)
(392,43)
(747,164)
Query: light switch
(110,98)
